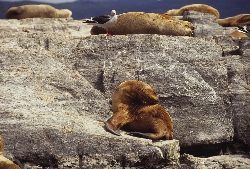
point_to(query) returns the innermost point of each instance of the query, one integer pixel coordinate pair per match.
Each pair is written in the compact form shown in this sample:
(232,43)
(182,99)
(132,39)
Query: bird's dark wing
(245,29)
(101,19)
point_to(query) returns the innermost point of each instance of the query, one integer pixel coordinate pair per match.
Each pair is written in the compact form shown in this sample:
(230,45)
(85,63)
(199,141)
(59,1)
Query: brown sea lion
(148,23)
(194,7)
(237,34)
(150,121)
(4,162)
(234,21)
(36,11)
(135,108)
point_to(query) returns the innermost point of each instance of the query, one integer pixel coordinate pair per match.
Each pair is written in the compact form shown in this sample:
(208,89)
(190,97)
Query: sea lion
(149,121)
(147,23)
(4,162)
(234,21)
(194,7)
(133,93)
(237,34)
(136,110)
(36,11)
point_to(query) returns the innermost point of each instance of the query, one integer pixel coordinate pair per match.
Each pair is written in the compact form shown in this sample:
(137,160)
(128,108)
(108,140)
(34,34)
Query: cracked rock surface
(56,85)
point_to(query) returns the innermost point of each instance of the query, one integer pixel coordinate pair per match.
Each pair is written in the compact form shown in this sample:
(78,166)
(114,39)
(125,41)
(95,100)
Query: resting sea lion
(237,34)
(135,108)
(194,7)
(133,93)
(234,21)
(147,23)
(4,162)
(36,11)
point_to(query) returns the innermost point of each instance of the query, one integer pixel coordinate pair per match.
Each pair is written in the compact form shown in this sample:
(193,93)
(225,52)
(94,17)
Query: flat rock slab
(219,162)
(52,116)
(56,86)
(189,74)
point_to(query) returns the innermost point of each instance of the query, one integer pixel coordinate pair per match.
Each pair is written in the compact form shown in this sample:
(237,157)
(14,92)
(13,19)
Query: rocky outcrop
(205,25)
(57,82)
(218,162)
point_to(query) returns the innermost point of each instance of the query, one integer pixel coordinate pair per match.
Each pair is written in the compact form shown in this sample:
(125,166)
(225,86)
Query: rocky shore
(57,81)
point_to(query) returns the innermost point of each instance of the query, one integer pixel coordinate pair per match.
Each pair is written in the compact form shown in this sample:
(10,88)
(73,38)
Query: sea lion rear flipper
(107,127)
(144,135)
(152,136)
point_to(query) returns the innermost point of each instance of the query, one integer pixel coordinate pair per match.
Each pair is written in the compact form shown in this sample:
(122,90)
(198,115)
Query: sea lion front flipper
(108,128)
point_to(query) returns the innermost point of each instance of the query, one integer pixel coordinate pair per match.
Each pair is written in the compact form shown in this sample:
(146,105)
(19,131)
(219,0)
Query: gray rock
(52,116)
(57,82)
(181,69)
(218,162)
(205,25)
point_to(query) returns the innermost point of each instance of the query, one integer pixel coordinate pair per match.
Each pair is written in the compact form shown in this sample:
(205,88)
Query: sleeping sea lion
(135,108)
(234,21)
(36,11)
(194,7)
(147,23)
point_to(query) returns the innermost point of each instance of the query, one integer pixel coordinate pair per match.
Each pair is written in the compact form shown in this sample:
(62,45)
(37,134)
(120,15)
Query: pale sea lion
(148,23)
(4,162)
(36,11)
(234,21)
(135,108)
(237,34)
(194,7)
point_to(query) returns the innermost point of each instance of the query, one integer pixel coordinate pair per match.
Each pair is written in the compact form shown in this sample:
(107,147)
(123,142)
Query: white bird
(104,21)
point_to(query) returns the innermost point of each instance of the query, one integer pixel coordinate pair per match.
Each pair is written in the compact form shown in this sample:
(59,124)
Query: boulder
(53,117)
(57,82)
(218,162)
(206,25)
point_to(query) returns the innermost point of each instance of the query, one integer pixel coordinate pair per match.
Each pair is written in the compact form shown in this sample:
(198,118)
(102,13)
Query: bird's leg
(107,32)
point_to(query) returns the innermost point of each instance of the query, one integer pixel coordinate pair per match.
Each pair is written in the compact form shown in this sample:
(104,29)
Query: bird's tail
(89,21)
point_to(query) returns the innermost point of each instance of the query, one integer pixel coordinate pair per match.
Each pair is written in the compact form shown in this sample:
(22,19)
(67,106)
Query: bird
(244,29)
(104,21)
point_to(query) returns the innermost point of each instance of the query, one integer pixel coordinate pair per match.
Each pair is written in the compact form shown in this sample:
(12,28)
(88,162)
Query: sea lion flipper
(144,135)
(153,136)
(108,128)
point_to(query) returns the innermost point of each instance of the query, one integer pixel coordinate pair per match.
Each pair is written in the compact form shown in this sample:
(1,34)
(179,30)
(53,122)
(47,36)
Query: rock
(218,162)
(55,115)
(205,25)
(56,85)
(147,23)
(236,53)
(179,75)
(67,26)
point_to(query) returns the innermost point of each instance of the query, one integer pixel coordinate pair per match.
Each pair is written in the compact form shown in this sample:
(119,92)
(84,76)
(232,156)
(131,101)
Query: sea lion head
(147,95)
